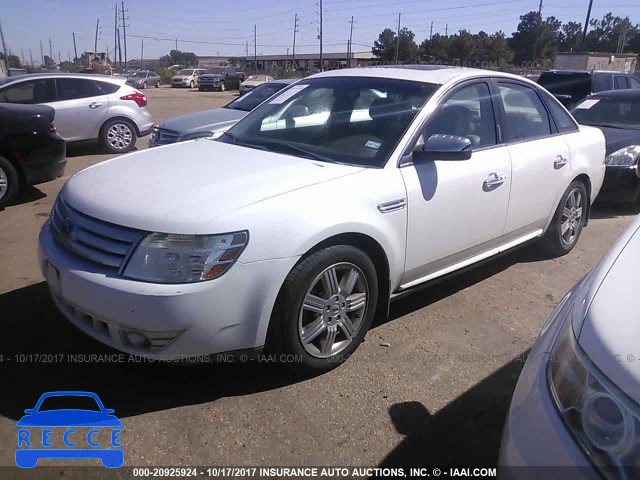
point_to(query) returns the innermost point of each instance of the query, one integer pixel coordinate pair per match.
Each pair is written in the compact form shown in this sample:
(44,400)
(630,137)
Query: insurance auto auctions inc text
(348,472)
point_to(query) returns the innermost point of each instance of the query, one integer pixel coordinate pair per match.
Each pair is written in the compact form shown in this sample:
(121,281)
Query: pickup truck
(221,78)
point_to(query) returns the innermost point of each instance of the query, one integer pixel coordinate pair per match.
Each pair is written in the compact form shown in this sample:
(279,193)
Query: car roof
(435,74)
(36,76)
(631,93)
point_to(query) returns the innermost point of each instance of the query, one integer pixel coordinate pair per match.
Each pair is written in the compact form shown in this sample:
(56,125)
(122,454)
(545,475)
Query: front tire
(222,87)
(325,307)
(566,226)
(9,182)
(118,135)
(192,84)
(144,85)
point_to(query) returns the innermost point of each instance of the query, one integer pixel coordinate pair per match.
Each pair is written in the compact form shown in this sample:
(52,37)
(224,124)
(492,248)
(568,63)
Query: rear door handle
(559,162)
(95,105)
(494,180)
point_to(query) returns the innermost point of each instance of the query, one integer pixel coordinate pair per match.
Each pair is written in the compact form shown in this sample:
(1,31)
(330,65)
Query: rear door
(81,107)
(540,158)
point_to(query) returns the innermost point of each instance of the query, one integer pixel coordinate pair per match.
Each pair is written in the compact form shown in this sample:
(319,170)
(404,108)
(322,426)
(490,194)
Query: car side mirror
(443,147)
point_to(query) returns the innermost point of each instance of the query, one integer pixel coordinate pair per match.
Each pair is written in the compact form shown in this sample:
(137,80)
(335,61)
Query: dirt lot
(430,386)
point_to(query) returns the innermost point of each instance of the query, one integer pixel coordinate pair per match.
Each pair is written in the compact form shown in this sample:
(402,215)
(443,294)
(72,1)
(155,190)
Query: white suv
(309,215)
(88,107)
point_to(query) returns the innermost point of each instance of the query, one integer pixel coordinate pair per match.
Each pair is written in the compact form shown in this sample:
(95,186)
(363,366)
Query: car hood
(181,188)
(253,83)
(135,79)
(69,418)
(611,328)
(180,77)
(209,121)
(618,138)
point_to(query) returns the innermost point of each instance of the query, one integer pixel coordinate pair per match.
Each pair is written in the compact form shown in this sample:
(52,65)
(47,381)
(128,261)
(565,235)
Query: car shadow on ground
(27,194)
(465,433)
(80,149)
(601,210)
(41,351)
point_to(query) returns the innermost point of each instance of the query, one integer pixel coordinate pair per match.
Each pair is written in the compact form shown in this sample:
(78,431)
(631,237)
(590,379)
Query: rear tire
(144,85)
(158,85)
(118,135)
(566,226)
(9,182)
(222,87)
(324,309)
(192,84)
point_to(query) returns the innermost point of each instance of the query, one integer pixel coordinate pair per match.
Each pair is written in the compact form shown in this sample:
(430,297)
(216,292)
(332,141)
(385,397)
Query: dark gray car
(209,122)
(143,79)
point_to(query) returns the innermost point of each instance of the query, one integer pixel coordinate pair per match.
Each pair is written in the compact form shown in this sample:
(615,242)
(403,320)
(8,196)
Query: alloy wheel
(119,136)
(4,183)
(333,310)
(571,217)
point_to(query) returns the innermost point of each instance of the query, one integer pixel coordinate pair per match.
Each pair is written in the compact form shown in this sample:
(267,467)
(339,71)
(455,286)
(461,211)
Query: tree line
(535,40)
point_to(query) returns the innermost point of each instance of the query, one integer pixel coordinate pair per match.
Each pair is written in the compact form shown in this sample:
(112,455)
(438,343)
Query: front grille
(100,242)
(209,80)
(162,136)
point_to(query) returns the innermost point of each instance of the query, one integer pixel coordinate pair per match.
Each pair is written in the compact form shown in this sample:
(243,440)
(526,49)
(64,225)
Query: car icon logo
(53,430)
(68,227)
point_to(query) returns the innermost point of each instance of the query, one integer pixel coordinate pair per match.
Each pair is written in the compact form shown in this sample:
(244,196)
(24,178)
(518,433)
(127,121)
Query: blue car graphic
(67,419)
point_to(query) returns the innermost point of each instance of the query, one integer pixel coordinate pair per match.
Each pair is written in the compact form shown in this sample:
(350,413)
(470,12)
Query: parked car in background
(617,114)
(221,78)
(571,86)
(218,120)
(31,150)
(143,79)
(577,401)
(303,220)
(15,72)
(252,82)
(187,77)
(88,106)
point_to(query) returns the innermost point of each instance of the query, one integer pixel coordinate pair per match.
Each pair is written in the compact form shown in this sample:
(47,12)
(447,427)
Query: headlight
(171,258)
(625,157)
(195,135)
(602,419)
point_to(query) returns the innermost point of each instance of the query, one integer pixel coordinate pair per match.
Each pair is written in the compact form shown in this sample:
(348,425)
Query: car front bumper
(621,185)
(535,441)
(180,321)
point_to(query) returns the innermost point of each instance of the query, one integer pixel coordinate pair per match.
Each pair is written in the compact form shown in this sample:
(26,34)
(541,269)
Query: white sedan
(297,226)
(577,402)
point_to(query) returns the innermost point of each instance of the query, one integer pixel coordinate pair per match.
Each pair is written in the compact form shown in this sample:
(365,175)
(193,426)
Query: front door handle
(95,105)
(494,180)
(559,162)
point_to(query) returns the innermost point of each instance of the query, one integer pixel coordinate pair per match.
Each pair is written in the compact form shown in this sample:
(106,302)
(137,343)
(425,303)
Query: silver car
(88,106)
(218,120)
(142,79)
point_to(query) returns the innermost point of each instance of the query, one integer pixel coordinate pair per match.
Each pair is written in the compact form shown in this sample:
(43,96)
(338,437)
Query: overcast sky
(228,25)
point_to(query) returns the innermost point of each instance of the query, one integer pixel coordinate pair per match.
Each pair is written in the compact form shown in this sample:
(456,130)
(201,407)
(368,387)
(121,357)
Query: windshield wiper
(235,141)
(301,152)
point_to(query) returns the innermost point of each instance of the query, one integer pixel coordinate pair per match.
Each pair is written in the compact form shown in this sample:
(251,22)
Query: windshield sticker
(372,144)
(286,95)
(588,104)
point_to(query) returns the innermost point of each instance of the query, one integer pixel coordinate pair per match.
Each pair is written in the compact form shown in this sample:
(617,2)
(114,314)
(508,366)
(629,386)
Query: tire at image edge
(13,182)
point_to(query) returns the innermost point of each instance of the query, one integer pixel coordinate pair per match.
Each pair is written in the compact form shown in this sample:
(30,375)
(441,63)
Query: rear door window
(108,88)
(634,82)
(525,115)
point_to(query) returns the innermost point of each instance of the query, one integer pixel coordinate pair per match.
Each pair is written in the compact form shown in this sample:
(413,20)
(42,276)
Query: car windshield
(185,71)
(353,120)
(69,402)
(622,112)
(255,97)
(575,85)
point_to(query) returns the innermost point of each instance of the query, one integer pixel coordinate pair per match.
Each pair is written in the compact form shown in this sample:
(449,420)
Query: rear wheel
(158,84)
(118,135)
(324,309)
(222,87)
(566,226)
(144,85)
(192,84)
(9,182)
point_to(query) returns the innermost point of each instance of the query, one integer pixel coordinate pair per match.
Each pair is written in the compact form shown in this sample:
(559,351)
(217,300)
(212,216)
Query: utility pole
(119,50)
(538,27)
(124,36)
(176,43)
(320,37)
(586,26)
(349,47)
(398,39)
(141,52)
(4,48)
(41,55)
(255,47)
(50,49)
(31,56)
(446,30)
(22,52)
(69,55)
(59,59)
(115,37)
(75,49)
(293,53)
(95,45)
(431,30)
